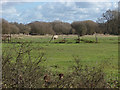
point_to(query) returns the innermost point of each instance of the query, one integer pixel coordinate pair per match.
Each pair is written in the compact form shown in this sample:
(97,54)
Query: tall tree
(80,28)
(91,26)
(14,29)
(5,27)
(109,21)
(25,29)
(61,27)
(41,28)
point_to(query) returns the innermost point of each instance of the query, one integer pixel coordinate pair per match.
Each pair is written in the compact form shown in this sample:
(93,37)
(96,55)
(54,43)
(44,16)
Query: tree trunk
(51,39)
(78,38)
(96,38)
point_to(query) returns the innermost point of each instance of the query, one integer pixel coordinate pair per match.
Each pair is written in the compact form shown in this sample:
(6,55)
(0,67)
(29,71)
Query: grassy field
(60,56)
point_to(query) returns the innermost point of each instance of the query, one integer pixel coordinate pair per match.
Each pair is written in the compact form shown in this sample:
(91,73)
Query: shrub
(19,71)
(83,77)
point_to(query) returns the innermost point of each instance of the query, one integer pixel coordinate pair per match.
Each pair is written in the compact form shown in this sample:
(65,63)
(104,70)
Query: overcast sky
(64,10)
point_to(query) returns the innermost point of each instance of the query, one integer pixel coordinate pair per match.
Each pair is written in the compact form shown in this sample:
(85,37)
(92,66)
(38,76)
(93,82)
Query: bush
(20,70)
(83,77)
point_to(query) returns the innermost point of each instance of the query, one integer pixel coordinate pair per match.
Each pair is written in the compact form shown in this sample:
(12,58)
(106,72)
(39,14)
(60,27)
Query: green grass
(62,55)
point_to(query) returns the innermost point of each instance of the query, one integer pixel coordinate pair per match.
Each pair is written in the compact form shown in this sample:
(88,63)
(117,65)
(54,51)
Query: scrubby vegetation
(24,71)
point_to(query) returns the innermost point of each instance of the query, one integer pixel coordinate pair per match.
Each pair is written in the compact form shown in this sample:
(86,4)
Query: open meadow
(60,56)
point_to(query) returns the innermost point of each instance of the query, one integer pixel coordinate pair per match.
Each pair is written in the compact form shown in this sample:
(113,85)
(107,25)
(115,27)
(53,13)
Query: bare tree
(80,29)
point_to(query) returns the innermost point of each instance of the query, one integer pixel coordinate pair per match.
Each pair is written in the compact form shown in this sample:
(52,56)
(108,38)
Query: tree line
(107,24)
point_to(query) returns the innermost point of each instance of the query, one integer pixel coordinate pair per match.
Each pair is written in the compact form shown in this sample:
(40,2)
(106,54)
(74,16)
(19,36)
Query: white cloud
(67,11)
(70,11)
(115,5)
(39,7)
(10,11)
(4,1)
